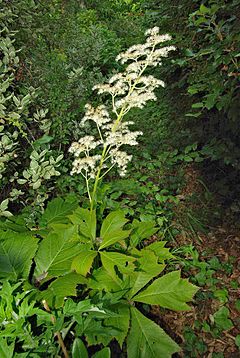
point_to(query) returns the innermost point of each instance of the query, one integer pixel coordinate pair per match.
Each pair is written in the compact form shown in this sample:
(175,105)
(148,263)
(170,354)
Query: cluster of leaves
(208,274)
(90,277)
(206,85)
(18,129)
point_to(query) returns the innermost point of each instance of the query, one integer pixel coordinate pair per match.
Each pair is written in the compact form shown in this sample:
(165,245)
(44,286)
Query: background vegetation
(184,178)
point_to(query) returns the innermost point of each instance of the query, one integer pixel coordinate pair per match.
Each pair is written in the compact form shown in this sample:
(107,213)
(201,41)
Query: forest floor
(209,329)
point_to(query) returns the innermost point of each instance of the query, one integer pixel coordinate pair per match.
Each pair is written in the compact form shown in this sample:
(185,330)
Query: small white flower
(121,159)
(84,144)
(86,166)
(98,115)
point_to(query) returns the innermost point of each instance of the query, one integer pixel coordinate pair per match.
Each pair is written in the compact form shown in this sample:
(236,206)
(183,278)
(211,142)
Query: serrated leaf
(62,287)
(83,262)
(16,255)
(97,333)
(102,280)
(111,230)
(114,221)
(148,269)
(123,263)
(113,237)
(6,350)
(86,220)
(57,211)
(147,340)
(160,251)
(141,231)
(103,353)
(169,291)
(72,308)
(79,349)
(120,322)
(55,254)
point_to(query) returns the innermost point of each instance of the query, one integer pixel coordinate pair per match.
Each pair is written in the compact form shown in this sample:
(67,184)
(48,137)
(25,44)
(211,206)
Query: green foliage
(146,339)
(98,275)
(23,133)
(221,319)
(104,269)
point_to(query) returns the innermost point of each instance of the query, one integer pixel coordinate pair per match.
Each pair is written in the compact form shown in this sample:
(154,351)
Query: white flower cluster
(128,89)
(98,115)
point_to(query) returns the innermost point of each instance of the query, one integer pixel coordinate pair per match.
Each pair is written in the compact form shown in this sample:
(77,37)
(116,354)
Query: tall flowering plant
(95,157)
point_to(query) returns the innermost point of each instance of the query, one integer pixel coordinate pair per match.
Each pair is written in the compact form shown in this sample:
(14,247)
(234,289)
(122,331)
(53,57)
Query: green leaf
(141,231)
(86,221)
(16,254)
(221,319)
(83,262)
(97,333)
(62,287)
(114,221)
(237,341)
(121,323)
(79,349)
(103,353)
(55,254)
(123,263)
(147,340)
(111,230)
(43,140)
(113,237)
(168,291)
(160,251)
(149,268)
(57,211)
(6,350)
(204,10)
(198,105)
(102,280)
(237,304)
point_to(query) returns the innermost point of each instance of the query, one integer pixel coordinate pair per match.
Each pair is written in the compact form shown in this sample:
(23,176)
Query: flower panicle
(128,89)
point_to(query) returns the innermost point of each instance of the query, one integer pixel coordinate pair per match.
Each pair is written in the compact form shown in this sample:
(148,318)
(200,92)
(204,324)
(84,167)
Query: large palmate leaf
(16,254)
(86,220)
(169,291)
(147,340)
(62,287)
(55,254)
(83,262)
(148,269)
(57,211)
(111,230)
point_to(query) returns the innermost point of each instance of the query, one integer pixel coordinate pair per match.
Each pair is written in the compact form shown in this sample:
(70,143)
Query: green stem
(92,202)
